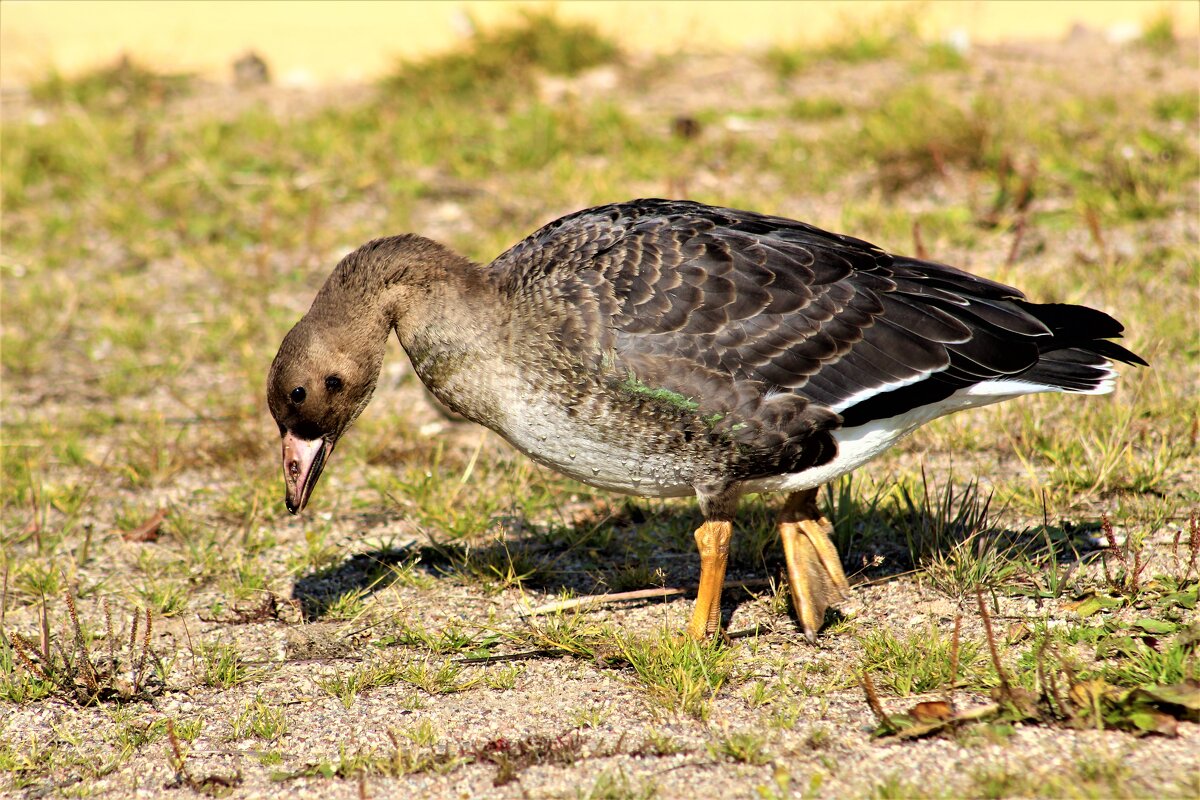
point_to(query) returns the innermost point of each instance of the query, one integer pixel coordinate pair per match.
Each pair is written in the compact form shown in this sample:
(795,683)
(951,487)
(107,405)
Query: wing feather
(771,304)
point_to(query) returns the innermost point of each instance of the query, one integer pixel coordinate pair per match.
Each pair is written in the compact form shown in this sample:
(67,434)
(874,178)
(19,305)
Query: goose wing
(703,300)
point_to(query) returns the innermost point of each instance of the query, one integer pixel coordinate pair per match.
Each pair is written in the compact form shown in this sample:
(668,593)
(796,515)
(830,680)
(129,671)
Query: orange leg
(815,574)
(712,539)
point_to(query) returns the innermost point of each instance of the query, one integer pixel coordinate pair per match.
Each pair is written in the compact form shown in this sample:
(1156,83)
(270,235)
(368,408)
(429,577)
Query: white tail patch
(860,444)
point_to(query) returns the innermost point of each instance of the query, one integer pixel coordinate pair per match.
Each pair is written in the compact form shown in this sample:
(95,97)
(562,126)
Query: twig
(918,242)
(591,600)
(1018,236)
(549,652)
(83,661)
(868,686)
(141,662)
(1005,688)
(954,652)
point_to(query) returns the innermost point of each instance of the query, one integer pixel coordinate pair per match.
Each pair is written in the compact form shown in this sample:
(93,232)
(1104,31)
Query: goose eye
(298,395)
(333,383)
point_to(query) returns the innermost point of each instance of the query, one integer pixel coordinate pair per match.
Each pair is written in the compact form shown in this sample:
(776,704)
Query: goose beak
(302,464)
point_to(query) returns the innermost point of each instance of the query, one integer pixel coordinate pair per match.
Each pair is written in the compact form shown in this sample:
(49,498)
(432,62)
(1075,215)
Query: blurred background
(309,43)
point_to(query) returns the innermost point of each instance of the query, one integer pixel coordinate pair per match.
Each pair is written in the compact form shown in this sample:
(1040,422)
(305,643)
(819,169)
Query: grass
(857,41)
(261,720)
(78,667)
(504,62)
(679,673)
(221,665)
(741,747)
(154,255)
(923,661)
(123,84)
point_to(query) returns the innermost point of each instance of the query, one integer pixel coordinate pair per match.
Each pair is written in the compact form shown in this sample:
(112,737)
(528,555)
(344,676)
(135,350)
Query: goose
(666,348)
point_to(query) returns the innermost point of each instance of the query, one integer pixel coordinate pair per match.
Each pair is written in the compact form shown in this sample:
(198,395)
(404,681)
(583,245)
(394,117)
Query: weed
(86,676)
(915,135)
(318,552)
(680,673)
(920,662)
(616,785)
(660,744)
(816,108)
(857,41)
(567,632)
(958,522)
(422,734)
(893,787)
(346,686)
(443,679)
(1158,35)
(1129,554)
(166,596)
(1145,665)
(214,783)
(222,665)
(260,719)
(495,566)
(742,747)
(504,678)
(1182,107)
(590,717)
(448,640)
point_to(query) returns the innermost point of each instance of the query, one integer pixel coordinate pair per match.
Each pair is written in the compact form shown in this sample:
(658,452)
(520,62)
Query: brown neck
(442,307)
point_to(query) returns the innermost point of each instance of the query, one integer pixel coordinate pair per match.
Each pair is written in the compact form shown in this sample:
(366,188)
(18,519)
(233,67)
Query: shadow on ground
(640,548)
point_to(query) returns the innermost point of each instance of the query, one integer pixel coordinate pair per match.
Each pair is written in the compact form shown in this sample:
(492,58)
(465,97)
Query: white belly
(546,434)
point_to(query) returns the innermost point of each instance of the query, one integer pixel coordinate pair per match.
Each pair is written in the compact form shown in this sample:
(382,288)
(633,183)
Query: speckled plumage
(667,348)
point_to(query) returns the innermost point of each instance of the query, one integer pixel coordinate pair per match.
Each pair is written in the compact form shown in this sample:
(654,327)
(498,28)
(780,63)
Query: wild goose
(667,348)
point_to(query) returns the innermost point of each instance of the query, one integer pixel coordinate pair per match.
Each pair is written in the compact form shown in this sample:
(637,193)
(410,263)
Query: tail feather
(1079,356)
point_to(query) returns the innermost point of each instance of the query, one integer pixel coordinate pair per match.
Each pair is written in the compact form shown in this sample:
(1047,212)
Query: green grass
(1159,35)
(857,41)
(221,665)
(920,662)
(261,720)
(678,672)
(110,89)
(501,64)
(741,747)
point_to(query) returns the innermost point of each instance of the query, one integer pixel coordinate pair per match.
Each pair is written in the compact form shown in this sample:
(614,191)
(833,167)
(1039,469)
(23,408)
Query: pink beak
(302,464)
